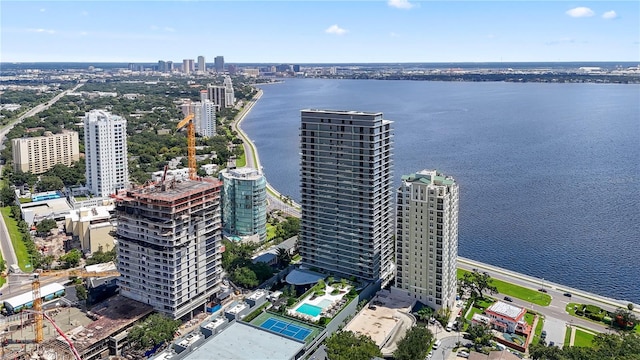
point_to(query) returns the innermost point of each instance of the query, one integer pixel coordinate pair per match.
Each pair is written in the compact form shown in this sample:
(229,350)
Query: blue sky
(320,31)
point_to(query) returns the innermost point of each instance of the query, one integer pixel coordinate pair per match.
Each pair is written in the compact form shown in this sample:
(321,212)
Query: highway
(8,253)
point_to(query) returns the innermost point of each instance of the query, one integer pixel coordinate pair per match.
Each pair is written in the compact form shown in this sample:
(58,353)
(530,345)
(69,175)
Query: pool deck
(326,310)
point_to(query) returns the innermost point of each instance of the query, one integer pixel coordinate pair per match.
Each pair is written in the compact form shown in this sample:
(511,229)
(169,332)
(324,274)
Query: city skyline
(338,32)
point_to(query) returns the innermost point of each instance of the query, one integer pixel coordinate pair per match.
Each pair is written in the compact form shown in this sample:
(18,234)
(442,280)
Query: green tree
(47,261)
(44,226)
(72,258)
(346,345)
(284,258)
(480,334)
(425,313)
(7,196)
(244,276)
(81,292)
(476,283)
(100,256)
(153,331)
(50,183)
(414,345)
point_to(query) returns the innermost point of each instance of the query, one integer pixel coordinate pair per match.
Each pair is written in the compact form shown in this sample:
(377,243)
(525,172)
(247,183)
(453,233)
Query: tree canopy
(153,331)
(346,345)
(414,345)
(44,226)
(620,346)
(476,283)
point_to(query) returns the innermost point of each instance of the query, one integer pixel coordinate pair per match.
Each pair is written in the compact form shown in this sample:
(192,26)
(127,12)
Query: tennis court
(287,329)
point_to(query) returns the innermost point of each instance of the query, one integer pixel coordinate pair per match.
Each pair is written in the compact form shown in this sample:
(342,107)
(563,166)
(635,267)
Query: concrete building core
(169,239)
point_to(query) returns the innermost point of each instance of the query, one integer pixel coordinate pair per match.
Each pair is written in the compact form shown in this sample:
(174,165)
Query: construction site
(95,334)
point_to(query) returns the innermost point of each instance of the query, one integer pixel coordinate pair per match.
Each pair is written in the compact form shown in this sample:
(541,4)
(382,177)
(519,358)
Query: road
(556,318)
(8,253)
(253,161)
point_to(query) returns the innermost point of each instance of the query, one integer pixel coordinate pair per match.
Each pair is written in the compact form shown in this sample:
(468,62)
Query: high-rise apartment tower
(41,153)
(105,148)
(347,194)
(169,239)
(244,202)
(202,65)
(427,238)
(218,63)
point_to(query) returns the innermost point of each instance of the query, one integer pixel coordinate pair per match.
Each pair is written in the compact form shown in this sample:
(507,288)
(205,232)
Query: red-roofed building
(507,318)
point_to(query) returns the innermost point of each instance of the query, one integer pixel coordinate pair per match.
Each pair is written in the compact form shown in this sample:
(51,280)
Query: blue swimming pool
(309,309)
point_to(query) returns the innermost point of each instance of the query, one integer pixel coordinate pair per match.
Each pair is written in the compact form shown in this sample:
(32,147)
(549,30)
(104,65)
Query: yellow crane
(37,298)
(191,143)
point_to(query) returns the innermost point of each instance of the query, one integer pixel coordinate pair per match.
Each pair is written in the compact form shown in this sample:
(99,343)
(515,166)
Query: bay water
(549,173)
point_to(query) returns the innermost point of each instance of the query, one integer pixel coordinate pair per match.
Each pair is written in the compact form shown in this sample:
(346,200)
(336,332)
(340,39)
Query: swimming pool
(324,303)
(309,309)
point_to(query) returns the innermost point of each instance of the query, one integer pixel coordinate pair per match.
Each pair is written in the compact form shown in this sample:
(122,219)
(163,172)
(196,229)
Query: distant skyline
(320,31)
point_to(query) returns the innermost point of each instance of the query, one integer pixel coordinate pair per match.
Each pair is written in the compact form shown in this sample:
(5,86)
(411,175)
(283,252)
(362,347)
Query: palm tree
(425,313)
(283,255)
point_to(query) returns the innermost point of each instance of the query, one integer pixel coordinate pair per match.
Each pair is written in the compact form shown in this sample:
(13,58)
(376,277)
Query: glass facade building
(244,202)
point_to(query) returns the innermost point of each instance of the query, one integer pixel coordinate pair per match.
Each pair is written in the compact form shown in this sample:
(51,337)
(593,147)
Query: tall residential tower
(427,238)
(347,195)
(244,202)
(169,243)
(105,148)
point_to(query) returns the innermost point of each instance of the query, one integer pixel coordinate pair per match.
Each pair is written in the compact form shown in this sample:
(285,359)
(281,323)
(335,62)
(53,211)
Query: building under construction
(169,241)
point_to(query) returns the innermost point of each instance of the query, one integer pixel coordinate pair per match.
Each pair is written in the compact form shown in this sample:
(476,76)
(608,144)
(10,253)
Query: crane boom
(191,143)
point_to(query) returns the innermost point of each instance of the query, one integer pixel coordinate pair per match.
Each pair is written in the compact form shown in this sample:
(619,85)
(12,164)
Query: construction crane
(64,336)
(191,143)
(37,298)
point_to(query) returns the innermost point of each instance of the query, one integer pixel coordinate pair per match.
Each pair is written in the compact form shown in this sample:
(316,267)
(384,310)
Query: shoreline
(248,144)
(525,277)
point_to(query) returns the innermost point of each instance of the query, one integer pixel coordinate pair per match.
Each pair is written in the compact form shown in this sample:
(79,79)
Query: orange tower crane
(191,143)
(37,298)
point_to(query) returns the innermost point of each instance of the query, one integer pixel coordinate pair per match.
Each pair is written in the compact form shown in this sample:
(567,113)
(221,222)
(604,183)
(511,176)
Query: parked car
(506,298)
(551,343)
(463,354)
(543,334)
(567,294)
(542,290)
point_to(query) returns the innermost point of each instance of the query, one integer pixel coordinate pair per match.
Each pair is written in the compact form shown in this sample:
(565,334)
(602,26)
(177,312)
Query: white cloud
(335,29)
(42,10)
(580,12)
(83,33)
(400,4)
(565,40)
(169,29)
(84,13)
(392,34)
(609,15)
(42,31)
(153,27)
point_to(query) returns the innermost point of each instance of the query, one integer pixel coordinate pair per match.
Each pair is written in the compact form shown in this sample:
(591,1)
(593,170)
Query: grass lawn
(528,317)
(567,336)
(241,160)
(571,311)
(583,339)
(516,291)
(538,330)
(271,231)
(16,239)
(296,258)
(474,310)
